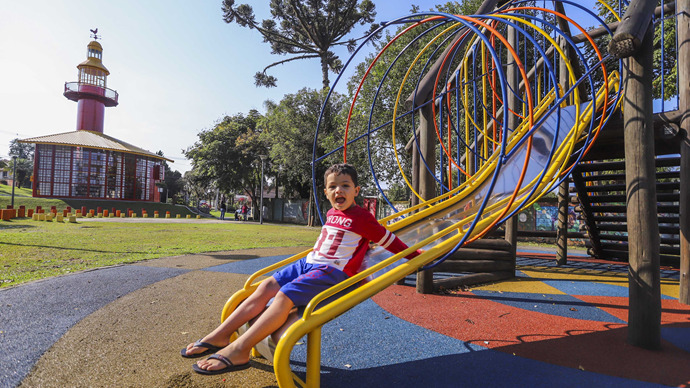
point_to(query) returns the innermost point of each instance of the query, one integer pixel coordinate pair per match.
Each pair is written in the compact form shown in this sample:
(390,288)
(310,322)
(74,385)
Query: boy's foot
(198,349)
(228,366)
(219,363)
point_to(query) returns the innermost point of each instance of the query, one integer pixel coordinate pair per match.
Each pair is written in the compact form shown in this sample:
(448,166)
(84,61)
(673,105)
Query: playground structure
(503,107)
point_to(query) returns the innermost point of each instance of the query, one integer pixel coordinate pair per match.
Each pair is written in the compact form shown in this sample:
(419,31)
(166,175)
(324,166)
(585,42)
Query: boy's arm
(394,244)
(381,236)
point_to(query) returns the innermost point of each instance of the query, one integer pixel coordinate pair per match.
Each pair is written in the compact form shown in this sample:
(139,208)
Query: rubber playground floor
(549,327)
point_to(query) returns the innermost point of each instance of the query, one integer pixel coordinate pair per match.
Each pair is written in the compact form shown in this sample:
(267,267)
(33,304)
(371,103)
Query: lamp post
(261,190)
(14,177)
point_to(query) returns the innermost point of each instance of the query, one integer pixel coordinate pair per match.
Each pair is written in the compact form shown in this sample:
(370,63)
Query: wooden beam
(583,197)
(684,296)
(601,31)
(427,184)
(459,266)
(463,254)
(492,244)
(621,187)
(562,235)
(513,103)
(629,35)
(608,198)
(683,28)
(564,80)
(644,313)
(473,279)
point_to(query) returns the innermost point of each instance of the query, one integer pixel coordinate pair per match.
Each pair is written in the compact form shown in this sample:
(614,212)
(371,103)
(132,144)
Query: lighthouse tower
(90,91)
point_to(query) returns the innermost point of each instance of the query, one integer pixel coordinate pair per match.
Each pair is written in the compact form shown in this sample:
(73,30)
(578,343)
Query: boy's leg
(238,351)
(293,317)
(278,317)
(247,310)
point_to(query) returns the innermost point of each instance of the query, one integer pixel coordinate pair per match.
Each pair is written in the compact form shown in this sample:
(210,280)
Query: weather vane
(94,34)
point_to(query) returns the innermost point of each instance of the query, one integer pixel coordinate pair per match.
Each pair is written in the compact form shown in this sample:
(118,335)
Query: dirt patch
(135,341)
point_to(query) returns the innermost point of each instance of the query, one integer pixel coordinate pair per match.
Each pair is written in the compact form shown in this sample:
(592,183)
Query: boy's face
(340,191)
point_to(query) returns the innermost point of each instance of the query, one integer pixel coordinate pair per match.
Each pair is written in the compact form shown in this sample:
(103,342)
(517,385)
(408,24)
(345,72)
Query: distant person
(337,255)
(223,208)
(245,210)
(238,213)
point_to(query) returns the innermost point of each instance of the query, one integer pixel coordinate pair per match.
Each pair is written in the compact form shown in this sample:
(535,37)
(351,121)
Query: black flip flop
(230,367)
(199,344)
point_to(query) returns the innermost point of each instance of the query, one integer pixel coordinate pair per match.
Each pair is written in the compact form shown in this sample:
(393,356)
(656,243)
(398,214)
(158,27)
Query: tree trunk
(324,71)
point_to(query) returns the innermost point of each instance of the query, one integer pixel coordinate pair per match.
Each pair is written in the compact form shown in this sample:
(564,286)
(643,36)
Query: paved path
(551,326)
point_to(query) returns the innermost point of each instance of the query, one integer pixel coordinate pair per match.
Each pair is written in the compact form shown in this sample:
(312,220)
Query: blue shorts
(301,281)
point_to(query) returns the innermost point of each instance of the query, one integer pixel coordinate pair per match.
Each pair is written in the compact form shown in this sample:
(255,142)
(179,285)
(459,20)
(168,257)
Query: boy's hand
(414,254)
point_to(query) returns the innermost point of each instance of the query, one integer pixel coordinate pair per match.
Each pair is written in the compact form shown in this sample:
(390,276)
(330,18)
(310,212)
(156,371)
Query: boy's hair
(341,168)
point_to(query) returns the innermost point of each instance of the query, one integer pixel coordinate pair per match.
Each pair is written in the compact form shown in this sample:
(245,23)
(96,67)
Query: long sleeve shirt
(345,238)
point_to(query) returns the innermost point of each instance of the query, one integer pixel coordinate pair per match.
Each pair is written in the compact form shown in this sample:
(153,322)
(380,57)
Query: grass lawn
(31,250)
(7,190)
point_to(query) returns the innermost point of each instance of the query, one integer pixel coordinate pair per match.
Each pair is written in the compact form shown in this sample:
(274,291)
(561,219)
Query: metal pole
(261,203)
(14,178)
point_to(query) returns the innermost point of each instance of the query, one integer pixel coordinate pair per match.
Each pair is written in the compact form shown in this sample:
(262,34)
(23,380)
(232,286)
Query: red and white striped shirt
(345,239)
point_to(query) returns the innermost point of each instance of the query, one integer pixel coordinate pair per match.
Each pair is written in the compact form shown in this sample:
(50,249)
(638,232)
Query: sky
(177,66)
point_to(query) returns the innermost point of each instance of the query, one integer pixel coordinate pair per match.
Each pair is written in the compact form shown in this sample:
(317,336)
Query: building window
(66,171)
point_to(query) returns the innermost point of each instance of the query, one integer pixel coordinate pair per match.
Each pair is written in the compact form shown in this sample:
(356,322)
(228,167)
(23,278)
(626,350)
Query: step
(620,177)
(473,279)
(620,165)
(457,266)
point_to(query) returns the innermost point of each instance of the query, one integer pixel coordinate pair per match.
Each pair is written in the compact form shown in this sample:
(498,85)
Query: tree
(196,186)
(25,167)
(172,182)
(228,155)
(288,131)
(21,150)
(304,29)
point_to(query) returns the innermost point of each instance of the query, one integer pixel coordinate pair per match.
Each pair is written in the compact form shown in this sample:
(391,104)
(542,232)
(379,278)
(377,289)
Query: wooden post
(427,184)
(562,233)
(583,198)
(570,53)
(563,198)
(415,173)
(684,296)
(644,313)
(513,122)
(683,30)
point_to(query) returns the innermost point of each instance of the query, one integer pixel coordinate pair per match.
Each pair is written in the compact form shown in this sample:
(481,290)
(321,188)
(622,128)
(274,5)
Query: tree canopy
(24,167)
(288,130)
(227,155)
(304,29)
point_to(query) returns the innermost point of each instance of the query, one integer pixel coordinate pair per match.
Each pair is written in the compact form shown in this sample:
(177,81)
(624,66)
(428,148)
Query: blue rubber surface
(35,315)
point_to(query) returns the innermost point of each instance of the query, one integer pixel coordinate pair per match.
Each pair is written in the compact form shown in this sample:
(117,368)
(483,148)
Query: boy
(337,255)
